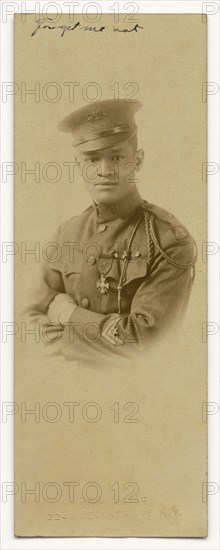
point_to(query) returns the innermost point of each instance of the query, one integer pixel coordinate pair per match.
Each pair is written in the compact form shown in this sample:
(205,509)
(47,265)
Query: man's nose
(105,168)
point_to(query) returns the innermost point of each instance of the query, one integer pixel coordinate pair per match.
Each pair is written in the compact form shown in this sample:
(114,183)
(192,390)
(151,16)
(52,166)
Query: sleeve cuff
(85,317)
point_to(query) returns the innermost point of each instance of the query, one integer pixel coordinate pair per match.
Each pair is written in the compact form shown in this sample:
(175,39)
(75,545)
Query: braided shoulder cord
(170,260)
(125,263)
(147,218)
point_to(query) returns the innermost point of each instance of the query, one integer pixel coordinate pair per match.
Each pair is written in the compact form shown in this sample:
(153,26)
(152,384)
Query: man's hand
(61,309)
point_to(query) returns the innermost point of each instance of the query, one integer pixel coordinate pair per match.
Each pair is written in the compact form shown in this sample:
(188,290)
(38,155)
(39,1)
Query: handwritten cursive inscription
(46,24)
(64,28)
(135,29)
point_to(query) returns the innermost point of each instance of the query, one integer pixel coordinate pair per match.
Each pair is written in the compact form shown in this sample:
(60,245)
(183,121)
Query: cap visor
(103,142)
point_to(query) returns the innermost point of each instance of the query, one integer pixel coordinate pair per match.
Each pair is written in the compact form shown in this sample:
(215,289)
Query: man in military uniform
(126,269)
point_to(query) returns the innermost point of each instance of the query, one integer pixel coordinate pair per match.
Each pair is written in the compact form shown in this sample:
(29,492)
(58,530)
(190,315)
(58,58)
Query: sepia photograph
(121,272)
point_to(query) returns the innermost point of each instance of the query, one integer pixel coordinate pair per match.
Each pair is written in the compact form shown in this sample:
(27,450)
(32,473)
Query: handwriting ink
(64,28)
(135,29)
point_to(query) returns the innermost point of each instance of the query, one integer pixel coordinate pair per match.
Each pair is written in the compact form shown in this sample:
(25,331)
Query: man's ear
(139,158)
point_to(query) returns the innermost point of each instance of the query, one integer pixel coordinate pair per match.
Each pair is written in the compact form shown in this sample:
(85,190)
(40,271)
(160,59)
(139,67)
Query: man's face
(109,174)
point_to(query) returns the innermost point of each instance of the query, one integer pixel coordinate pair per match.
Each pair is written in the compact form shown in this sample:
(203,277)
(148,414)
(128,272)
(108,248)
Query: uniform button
(85,302)
(91,260)
(102,227)
(179,232)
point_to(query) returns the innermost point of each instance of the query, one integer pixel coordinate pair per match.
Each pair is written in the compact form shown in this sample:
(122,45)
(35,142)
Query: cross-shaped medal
(102,285)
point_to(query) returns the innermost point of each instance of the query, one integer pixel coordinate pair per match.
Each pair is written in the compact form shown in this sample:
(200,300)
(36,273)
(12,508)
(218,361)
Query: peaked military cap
(101,124)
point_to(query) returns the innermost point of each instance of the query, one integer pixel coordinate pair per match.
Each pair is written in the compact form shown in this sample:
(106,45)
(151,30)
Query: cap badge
(96,114)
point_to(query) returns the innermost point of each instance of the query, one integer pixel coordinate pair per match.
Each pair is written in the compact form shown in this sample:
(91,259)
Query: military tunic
(129,267)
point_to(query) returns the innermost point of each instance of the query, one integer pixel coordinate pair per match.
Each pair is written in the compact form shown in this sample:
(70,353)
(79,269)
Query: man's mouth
(106,184)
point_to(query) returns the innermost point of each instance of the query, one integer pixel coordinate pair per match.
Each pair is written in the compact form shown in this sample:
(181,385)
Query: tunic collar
(119,209)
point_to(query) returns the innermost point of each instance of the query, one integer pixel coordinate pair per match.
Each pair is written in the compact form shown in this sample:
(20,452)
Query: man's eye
(117,157)
(92,161)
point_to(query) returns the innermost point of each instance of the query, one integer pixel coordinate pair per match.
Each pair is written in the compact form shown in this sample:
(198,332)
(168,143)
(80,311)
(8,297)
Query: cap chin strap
(133,134)
(118,143)
(122,129)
